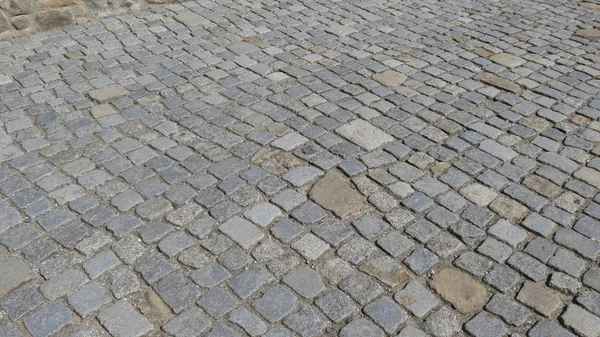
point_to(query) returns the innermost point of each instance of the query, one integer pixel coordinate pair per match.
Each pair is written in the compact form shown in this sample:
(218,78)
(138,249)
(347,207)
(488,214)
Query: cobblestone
(442,323)
(542,300)
(49,320)
(336,305)
(308,167)
(122,319)
(581,321)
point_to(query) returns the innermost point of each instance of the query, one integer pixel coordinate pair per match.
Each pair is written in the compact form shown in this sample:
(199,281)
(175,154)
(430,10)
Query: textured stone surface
(333,193)
(390,78)
(364,134)
(507,60)
(168,171)
(581,321)
(539,298)
(13,272)
(108,93)
(54,18)
(49,320)
(591,34)
(123,320)
(498,82)
(465,293)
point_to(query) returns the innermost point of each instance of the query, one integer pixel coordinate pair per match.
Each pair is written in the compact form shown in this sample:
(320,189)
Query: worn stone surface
(102,110)
(507,60)
(123,320)
(592,34)
(333,193)
(465,293)
(364,134)
(589,175)
(387,271)
(390,78)
(192,19)
(582,321)
(539,298)
(307,168)
(13,272)
(108,93)
(54,18)
(498,82)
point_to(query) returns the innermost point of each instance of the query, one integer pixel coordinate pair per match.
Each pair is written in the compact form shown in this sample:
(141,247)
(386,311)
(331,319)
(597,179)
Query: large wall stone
(21,17)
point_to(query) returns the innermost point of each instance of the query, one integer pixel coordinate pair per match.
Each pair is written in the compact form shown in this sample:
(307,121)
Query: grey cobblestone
(122,319)
(336,305)
(217,302)
(175,151)
(49,320)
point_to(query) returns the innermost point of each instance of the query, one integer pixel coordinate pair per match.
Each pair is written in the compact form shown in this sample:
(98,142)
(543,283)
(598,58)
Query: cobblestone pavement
(304,168)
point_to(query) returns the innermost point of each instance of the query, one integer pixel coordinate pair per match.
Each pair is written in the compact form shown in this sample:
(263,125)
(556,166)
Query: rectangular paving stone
(529,266)
(290,141)
(546,328)
(508,232)
(21,302)
(510,311)
(417,299)
(101,263)
(542,300)
(13,273)
(63,284)
(89,298)
(484,324)
(497,150)
(577,242)
(275,304)
(49,320)
(581,321)
(108,93)
(217,302)
(250,281)
(560,162)
(192,19)
(502,278)
(123,320)
(177,292)
(187,323)
(526,197)
(364,134)
(588,175)
(242,231)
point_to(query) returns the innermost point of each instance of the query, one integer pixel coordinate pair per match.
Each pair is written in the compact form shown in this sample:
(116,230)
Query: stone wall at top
(22,17)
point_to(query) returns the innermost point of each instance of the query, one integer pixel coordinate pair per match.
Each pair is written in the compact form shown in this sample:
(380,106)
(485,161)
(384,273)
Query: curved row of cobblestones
(304,168)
